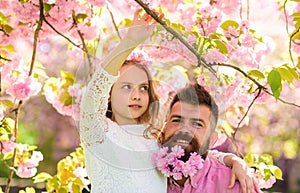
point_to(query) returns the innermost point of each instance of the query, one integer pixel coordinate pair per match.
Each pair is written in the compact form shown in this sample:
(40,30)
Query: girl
(119,138)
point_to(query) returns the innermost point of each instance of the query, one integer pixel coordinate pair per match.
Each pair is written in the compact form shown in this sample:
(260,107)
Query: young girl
(117,125)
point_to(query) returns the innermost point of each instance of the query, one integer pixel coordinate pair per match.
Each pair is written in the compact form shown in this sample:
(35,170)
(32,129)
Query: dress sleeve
(93,106)
(218,156)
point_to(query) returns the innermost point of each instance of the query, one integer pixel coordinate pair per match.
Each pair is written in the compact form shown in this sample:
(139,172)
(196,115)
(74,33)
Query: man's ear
(213,139)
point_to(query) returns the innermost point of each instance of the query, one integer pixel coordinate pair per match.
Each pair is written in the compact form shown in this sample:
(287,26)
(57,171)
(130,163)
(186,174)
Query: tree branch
(84,47)
(16,117)
(62,35)
(113,21)
(36,35)
(201,61)
(260,86)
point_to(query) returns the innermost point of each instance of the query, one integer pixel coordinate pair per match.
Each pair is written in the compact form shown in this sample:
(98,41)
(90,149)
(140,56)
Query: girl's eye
(126,86)
(144,88)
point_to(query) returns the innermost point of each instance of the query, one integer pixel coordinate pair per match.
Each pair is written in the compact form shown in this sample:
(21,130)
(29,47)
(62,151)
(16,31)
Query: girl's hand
(241,172)
(141,28)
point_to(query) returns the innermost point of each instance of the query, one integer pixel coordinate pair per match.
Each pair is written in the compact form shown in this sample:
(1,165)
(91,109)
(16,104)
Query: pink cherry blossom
(26,12)
(263,184)
(214,56)
(25,172)
(98,3)
(169,164)
(7,146)
(227,6)
(24,88)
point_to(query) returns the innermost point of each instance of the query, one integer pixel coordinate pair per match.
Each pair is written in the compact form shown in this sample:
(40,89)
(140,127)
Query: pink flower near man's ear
(23,88)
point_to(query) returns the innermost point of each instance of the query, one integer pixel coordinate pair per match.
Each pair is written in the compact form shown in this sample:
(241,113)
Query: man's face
(188,126)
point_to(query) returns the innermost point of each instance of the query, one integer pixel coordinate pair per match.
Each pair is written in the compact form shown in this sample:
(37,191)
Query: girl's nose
(136,94)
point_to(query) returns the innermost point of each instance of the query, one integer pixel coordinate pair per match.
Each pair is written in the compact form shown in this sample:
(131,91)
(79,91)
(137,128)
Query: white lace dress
(118,158)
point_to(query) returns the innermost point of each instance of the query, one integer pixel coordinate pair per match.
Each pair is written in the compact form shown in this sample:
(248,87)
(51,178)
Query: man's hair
(197,95)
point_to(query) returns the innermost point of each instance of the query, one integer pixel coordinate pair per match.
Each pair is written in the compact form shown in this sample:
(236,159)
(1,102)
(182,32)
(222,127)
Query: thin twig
(113,21)
(286,18)
(68,39)
(247,112)
(36,35)
(242,72)
(84,47)
(16,117)
(5,59)
(290,44)
(257,83)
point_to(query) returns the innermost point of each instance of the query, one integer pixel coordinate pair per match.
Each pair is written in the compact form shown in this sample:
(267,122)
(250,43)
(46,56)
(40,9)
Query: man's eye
(176,120)
(198,124)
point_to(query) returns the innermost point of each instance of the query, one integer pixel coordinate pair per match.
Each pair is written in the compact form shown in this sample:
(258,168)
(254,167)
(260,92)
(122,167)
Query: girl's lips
(135,107)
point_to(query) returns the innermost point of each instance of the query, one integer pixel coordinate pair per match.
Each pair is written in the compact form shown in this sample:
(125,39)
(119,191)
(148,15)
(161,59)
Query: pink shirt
(212,178)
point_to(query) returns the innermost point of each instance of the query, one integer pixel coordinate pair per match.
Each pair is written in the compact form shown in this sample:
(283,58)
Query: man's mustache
(182,137)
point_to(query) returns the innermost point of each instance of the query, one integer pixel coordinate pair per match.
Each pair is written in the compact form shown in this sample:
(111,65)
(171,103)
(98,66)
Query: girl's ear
(213,139)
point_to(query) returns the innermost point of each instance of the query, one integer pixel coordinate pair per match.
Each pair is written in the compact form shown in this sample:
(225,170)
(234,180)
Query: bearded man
(191,124)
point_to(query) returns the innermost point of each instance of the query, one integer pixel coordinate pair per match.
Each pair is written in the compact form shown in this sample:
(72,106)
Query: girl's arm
(140,29)
(94,102)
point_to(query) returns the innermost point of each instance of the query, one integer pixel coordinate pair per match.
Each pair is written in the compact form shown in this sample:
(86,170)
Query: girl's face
(129,95)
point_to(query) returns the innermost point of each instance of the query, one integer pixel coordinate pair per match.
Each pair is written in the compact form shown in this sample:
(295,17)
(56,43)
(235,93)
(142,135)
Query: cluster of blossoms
(262,183)
(64,94)
(27,159)
(170,165)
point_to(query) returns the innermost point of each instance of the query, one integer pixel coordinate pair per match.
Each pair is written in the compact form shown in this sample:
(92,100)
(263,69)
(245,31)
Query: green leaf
(298,65)
(8,156)
(256,73)
(68,77)
(285,74)
(7,103)
(221,46)
(41,177)
(225,25)
(3,19)
(28,190)
(66,98)
(296,36)
(293,71)
(7,28)
(276,171)
(48,7)
(63,190)
(80,17)
(76,188)
(274,80)
(266,158)
(8,48)
(125,22)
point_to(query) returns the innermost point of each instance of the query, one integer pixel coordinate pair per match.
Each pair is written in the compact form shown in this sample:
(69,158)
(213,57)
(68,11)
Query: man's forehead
(186,110)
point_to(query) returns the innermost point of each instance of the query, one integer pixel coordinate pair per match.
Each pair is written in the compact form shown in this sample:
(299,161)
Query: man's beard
(192,146)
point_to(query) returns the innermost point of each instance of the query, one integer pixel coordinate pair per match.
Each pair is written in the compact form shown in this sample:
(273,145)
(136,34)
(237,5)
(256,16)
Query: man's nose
(186,126)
